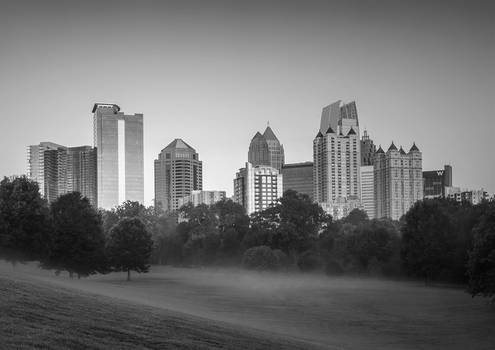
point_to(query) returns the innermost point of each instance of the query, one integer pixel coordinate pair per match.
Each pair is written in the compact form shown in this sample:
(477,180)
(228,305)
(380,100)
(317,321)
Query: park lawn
(37,315)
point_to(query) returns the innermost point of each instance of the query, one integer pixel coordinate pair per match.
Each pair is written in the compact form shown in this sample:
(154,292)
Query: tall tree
(24,220)
(78,241)
(129,246)
(481,264)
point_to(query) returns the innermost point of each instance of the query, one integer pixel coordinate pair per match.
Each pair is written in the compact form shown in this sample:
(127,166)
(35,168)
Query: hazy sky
(214,72)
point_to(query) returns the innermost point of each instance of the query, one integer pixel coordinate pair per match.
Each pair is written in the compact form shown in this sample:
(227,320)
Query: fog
(332,312)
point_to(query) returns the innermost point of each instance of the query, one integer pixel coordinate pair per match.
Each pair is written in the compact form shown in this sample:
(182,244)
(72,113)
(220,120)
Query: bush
(260,258)
(333,268)
(283,260)
(309,261)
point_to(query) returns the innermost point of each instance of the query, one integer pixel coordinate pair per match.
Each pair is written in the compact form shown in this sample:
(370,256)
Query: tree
(260,258)
(356,217)
(481,264)
(77,239)
(129,246)
(24,220)
(427,240)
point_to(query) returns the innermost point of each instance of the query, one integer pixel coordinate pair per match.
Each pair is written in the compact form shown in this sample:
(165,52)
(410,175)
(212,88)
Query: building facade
(398,181)
(464,195)
(435,182)
(368,150)
(257,187)
(118,139)
(178,172)
(59,169)
(337,159)
(298,177)
(368,190)
(266,150)
(202,197)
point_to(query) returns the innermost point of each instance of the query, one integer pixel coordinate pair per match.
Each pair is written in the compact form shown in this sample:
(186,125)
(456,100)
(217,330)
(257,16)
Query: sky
(215,72)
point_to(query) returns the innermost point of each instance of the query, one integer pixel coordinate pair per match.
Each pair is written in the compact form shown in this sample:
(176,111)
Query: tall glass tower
(118,139)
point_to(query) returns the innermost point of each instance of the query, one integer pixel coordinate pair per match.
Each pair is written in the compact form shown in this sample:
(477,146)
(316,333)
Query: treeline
(69,234)
(437,240)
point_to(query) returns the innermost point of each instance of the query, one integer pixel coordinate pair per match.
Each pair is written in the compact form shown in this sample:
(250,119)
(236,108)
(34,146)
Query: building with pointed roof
(178,172)
(265,149)
(337,159)
(398,181)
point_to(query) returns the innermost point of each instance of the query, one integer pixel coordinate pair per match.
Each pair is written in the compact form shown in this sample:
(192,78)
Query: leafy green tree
(481,264)
(129,246)
(24,220)
(77,239)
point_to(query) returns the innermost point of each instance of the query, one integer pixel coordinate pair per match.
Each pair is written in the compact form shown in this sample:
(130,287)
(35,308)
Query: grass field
(205,308)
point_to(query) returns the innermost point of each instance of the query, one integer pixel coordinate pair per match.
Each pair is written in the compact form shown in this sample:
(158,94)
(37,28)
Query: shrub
(309,261)
(260,258)
(283,260)
(333,268)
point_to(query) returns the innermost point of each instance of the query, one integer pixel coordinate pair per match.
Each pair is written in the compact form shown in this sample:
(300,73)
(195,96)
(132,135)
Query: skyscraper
(59,169)
(266,150)
(198,197)
(118,139)
(368,190)
(257,187)
(398,181)
(178,172)
(336,158)
(368,150)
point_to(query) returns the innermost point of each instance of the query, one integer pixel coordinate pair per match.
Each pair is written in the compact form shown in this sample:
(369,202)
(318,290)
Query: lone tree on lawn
(129,246)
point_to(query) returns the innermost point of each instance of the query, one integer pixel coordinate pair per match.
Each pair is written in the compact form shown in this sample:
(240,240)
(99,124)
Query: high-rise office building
(118,139)
(337,159)
(59,169)
(298,177)
(257,187)
(398,181)
(368,190)
(178,172)
(266,150)
(436,181)
(368,150)
(202,197)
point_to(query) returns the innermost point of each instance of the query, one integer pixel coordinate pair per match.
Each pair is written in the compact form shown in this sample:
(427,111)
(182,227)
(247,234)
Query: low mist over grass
(328,312)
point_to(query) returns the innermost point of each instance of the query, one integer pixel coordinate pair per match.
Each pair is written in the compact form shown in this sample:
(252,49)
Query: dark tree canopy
(481,265)
(24,220)
(78,242)
(129,246)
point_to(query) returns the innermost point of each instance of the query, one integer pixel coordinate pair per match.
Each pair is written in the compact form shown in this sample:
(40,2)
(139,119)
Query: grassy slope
(39,315)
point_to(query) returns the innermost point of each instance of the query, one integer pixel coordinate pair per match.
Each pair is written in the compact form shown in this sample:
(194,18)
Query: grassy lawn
(236,309)
(43,316)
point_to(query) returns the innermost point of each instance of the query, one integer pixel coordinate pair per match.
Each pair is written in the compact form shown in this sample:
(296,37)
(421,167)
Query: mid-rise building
(368,150)
(368,190)
(257,187)
(59,169)
(337,159)
(178,172)
(118,139)
(266,150)
(436,181)
(398,181)
(202,197)
(298,177)
(464,195)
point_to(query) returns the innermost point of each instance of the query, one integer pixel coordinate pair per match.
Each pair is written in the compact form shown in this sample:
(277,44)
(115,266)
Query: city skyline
(416,70)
